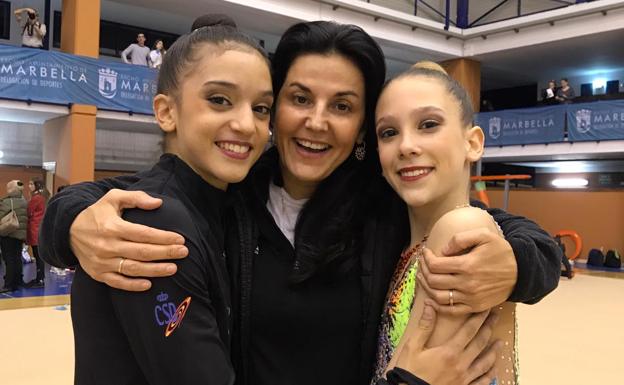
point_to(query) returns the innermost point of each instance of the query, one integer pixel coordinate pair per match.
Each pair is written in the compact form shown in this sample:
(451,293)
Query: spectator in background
(36,208)
(156,56)
(565,93)
(139,53)
(549,95)
(33,31)
(11,244)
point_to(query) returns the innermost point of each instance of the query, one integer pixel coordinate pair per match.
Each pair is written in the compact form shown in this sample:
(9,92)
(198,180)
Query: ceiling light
(570,182)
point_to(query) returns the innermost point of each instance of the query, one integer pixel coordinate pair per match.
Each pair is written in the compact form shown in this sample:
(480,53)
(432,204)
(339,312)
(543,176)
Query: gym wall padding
(597,216)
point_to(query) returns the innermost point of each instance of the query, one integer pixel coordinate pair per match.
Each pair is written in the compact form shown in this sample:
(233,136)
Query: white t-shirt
(155,59)
(284,210)
(35,40)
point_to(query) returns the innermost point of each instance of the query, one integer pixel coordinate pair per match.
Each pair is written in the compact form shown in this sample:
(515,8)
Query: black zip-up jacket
(537,255)
(178,332)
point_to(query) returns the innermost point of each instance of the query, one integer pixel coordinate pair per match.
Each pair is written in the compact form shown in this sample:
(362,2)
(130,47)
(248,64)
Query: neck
(296,188)
(172,148)
(423,218)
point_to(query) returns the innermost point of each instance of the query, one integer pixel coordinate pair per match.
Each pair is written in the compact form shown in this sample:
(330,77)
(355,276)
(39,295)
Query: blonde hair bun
(430,65)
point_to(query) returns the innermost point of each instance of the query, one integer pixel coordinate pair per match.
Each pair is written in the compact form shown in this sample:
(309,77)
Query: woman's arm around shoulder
(538,257)
(177,329)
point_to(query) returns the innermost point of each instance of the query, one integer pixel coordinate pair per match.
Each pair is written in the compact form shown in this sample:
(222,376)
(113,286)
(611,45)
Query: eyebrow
(231,85)
(414,111)
(339,93)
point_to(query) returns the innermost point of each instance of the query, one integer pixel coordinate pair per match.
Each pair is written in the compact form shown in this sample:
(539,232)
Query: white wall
(476,8)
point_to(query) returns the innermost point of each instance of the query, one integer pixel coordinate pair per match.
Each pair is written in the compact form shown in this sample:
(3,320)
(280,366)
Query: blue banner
(602,120)
(523,126)
(54,77)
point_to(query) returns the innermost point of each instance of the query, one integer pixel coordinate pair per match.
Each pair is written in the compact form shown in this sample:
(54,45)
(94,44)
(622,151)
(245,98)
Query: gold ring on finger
(121,262)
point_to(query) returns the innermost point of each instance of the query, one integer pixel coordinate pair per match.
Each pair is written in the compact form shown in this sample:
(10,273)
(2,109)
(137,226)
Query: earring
(360,151)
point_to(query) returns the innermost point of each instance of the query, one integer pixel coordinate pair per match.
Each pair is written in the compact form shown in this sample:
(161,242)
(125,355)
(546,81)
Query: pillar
(70,140)
(468,73)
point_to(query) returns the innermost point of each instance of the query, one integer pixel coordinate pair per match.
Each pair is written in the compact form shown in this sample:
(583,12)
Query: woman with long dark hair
(316,237)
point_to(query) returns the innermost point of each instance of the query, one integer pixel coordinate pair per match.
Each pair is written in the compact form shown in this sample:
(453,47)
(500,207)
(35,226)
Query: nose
(244,123)
(317,121)
(409,146)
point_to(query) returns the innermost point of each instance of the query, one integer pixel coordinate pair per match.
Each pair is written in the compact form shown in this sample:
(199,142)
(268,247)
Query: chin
(415,198)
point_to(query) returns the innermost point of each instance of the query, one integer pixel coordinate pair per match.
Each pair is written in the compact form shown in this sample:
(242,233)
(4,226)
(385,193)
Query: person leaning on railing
(565,93)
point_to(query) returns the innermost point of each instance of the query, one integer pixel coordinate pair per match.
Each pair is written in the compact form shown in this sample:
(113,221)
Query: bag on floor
(26,255)
(595,258)
(9,223)
(612,259)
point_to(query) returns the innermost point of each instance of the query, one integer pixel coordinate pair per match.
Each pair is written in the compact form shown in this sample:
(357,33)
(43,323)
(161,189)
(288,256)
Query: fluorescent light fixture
(599,83)
(49,166)
(570,182)
(1,154)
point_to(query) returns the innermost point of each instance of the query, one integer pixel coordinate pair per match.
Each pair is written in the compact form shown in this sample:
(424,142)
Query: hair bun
(430,65)
(213,20)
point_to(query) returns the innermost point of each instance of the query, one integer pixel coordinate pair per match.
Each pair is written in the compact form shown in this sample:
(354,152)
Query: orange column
(70,140)
(468,73)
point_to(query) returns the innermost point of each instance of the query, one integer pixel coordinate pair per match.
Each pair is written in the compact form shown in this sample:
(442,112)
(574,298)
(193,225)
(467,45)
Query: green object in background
(480,185)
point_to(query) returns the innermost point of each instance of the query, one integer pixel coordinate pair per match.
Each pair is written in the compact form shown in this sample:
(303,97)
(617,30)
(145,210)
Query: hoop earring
(360,151)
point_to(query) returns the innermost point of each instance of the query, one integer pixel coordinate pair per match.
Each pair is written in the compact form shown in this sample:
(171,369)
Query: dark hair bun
(213,20)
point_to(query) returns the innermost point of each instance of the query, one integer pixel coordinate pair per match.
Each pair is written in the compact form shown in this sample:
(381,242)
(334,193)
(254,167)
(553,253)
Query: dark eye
(428,124)
(300,99)
(342,107)
(387,133)
(220,100)
(263,110)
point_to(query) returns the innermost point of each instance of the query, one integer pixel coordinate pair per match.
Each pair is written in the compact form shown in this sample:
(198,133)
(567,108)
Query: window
(5,20)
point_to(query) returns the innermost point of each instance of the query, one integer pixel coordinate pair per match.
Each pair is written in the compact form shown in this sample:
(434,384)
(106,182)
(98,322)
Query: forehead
(410,92)
(242,67)
(333,72)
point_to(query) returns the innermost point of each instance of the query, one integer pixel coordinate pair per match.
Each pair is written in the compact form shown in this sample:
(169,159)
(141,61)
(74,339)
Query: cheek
(285,121)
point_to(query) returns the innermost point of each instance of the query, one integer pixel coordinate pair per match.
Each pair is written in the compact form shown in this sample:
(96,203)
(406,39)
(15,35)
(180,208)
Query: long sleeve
(537,255)
(176,318)
(63,208)
(125,53)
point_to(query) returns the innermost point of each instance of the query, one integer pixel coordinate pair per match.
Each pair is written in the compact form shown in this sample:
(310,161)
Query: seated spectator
(156,56)
(565,93)
(549,95)
(138,52)
(33,31)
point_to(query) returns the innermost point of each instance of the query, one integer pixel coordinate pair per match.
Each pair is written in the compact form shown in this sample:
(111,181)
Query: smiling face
(320,112)
(424,148)
(218,120)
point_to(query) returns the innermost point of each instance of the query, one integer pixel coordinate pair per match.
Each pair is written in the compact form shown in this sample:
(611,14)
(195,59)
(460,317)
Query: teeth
(233,147)
(412,173)
(313,146)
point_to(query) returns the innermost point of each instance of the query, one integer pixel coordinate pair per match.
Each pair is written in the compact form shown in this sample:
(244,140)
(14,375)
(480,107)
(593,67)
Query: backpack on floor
(595,258)
(612,259)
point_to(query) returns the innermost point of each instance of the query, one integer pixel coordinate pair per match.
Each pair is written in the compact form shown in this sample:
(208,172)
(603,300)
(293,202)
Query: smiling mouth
(313,147)
(235,148)
(414,173)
